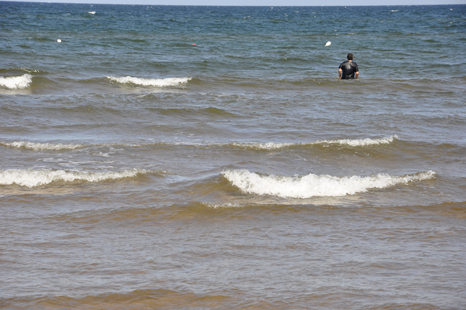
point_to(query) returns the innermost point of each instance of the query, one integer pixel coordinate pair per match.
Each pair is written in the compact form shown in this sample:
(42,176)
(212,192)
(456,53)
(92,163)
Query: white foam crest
(222,205)
(167,82)
(349,142)
(263,146)
(37,177)
(42,146)
(315,185)
(16,82)
(359,142)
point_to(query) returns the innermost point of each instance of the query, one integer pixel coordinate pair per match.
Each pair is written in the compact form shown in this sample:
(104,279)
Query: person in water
(348,69)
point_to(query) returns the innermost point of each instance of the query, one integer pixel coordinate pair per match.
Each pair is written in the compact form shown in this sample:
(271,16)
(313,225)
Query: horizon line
(229,5)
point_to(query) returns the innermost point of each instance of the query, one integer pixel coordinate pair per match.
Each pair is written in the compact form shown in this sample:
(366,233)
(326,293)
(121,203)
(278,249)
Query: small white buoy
(328,43)
(59,41)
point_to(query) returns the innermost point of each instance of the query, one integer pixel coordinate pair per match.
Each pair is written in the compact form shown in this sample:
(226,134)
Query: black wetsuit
(349,68)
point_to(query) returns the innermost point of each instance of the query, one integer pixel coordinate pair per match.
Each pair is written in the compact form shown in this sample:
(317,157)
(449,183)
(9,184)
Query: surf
(165,82)
(342,142)
(16,82)
(313,185)
(42,146)
(38,177)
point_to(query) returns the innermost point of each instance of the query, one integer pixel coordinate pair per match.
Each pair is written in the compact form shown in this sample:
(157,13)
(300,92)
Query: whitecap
(16,82)
(347,142)
(167,82)
(42,146)
(359,142)
(313,185)
(37,177)
(222,205)
(263,146)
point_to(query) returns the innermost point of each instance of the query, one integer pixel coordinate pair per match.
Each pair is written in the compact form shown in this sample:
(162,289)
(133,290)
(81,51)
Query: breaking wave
(36,146)
(313,185)
(42,146)
(35,177)
(343,142)
(264,146)
(359,142)
(16,82)
(167,82)
(258,146)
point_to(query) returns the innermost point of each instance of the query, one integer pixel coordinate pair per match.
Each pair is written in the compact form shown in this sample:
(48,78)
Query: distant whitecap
(344,142)
(41,146)
(167,82)
(91,12)
(359,142)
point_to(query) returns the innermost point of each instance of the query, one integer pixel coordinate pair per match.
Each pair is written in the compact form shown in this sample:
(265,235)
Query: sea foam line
(42,146)
(16,82)
(36,146)
(167,82)
(37,177)
(359,142)
(347,142)
(313,185)
(261,146)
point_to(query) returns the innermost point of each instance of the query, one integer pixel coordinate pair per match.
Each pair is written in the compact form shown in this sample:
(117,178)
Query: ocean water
(172,157)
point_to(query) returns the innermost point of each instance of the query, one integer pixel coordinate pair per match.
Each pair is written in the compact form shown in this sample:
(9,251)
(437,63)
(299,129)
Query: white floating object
(91,12)
(328,43)
(59,41)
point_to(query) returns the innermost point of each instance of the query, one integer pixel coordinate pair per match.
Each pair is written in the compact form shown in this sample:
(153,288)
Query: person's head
(350,56)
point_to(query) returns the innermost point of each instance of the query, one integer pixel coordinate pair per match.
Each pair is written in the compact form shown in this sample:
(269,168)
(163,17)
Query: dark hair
(350,56)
